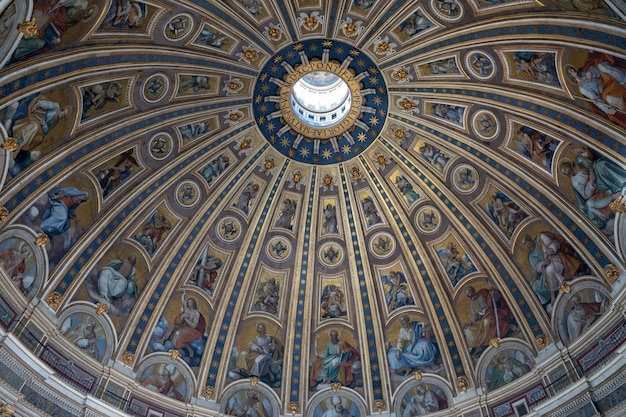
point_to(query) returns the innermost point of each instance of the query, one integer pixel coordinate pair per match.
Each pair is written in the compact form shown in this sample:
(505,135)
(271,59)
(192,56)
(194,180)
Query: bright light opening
(321,99)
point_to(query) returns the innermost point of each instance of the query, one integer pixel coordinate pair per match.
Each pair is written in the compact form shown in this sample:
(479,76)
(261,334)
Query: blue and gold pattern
(344,147)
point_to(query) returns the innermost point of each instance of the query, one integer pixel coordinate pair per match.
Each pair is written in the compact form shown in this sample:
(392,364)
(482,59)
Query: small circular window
(320,99)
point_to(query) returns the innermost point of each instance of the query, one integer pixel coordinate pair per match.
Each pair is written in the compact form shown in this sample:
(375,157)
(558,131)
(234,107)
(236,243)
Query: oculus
(320,101)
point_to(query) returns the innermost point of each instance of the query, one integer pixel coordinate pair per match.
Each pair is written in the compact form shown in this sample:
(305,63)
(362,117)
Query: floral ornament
(268,166)
(232,86)
(382,46)
(244,145)
(402,74)
(408,104)
(273,32)
(381,159)
(310,22)
(351,28)
(297,179)
(233,117)
(248,54)
(327,182)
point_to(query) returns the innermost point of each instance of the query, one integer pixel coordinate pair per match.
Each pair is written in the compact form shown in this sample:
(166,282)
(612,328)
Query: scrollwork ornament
(379,406)
(294,406)
(541,341)
(495,342)
(102,308)
(174,354)
(417,375)
(6,410)
(254,381)
(462,383)
(128,358)
(565,288)
(42,239)
(28,29)
(618,206)
(54,300)
(10,145)
(4,215)
(335,386)
(612,273)
(208,392)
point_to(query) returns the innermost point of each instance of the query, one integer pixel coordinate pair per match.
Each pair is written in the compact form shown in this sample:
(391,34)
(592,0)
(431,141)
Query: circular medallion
(480,65)
(320,101)
(155,88)
(278,249)
(178,27)
(465,178)
(428,219)
(188,194)
(160,146)
(229,229)
(485,125)
(449,10)
(331,254)
(382,245)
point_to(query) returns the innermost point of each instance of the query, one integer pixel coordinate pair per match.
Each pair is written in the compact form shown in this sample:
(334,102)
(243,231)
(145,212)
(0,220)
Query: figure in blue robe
(63,204)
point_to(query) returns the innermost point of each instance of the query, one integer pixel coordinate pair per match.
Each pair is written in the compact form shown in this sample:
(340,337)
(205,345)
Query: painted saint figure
(370,211)
(14,262)
(249,193)
(397,294)
(601,82)
(118,278)
(29,121)
(583,314)
(507,369)
(596,182)
(163,383)
(263,358)
(153,232)
(414,348)
(84,336)
(489,317)
(330,219)
(424,401)
(337,363)
(63,204)
(406,188)
(189,325)
(287,213)
(268,296)
(333,302)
